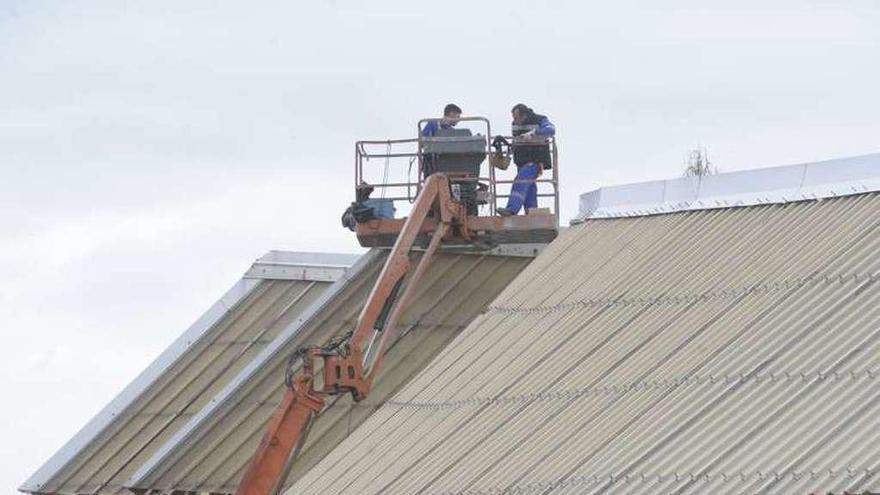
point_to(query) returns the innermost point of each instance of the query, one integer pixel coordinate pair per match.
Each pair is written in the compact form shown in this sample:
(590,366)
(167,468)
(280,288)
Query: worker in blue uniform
(531,154)
(451,114)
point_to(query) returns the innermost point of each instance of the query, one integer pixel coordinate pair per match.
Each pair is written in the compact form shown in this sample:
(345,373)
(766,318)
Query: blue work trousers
(524,193)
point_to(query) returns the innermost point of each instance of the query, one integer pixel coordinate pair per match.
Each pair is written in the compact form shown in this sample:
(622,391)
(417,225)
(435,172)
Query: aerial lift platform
(459,155)
(448,194)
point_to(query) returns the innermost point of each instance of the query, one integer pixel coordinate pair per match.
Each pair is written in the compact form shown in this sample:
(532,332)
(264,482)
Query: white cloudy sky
(150,150)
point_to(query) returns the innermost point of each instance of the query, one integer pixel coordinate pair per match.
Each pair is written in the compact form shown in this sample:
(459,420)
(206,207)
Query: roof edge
(141,383)
(277,345)
(784,184)
(317,265)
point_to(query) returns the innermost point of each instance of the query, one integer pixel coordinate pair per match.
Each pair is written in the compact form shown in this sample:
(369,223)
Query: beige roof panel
(717,351)
(214,450)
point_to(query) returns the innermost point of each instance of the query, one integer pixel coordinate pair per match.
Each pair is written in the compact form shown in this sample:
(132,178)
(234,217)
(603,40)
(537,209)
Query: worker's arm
(545,128)
(430,128)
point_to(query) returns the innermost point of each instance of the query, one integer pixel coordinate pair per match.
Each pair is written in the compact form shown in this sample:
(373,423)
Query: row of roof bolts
(644,385)
(849,472)
(760,288)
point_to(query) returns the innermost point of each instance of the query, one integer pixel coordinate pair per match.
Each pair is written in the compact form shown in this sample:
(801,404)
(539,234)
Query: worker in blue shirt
(531,154)
(451,114)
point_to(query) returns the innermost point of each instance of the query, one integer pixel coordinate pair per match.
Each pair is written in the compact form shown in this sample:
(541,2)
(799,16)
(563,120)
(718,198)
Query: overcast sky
(149,151)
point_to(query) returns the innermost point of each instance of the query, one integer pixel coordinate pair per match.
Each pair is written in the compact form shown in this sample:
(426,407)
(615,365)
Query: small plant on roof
(698,164)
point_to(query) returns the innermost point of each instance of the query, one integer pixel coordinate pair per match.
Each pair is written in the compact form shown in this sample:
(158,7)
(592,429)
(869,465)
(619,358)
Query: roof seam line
(760,288)
(785,377)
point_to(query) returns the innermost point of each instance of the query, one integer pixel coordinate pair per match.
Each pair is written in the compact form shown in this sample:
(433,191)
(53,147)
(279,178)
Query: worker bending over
(531,154)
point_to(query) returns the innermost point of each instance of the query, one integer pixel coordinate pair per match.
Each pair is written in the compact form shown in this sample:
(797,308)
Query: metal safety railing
(411,152)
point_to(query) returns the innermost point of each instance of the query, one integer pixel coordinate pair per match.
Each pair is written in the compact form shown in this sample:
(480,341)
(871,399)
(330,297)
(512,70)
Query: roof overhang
(802,182)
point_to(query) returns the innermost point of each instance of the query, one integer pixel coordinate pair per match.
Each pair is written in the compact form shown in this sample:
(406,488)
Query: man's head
(452,112)
(521,113)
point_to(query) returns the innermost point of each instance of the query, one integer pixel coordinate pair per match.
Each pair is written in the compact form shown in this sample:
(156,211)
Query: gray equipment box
(455,151)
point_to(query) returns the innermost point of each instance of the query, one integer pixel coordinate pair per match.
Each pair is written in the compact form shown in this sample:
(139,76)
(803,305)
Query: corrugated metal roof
(210,453)
(716,351)
(191,371)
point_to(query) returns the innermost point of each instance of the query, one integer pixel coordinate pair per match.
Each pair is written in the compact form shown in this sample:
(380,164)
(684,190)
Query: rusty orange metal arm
(283,433)
(352,366)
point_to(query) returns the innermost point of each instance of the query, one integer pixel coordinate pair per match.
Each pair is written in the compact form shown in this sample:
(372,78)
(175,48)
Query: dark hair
(451,108)
(522,108)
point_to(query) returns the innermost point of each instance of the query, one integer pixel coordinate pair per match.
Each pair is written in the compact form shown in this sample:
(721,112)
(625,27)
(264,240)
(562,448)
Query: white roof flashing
(806,181)
(288,265)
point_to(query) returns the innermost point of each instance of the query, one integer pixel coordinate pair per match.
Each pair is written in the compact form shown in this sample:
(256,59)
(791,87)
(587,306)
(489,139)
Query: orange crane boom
(351,365)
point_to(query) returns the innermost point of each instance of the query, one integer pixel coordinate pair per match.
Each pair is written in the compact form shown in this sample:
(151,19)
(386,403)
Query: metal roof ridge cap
(95,426)
(308,258)
(296,265)
(291,271)
(268,352)
(287,263)
(781,184)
